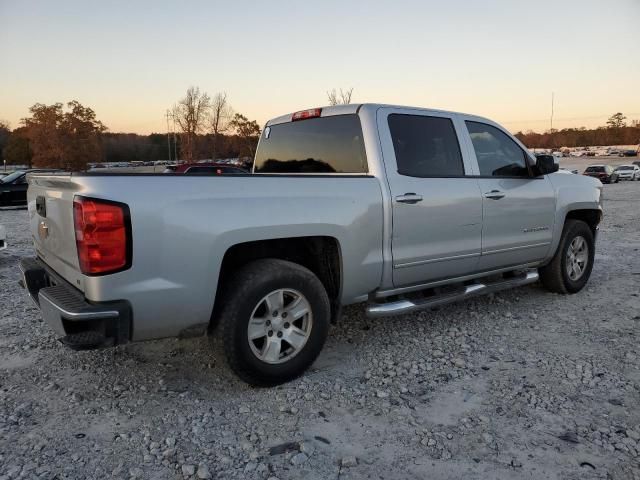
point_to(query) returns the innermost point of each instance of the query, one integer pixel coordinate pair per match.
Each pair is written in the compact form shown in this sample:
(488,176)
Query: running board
(400,307)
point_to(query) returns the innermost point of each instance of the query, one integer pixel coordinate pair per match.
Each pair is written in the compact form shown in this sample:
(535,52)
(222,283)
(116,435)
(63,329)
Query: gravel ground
(520,384)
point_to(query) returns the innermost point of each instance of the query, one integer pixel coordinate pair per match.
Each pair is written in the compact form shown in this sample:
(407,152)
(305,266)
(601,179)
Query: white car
(628,172)
(3,238)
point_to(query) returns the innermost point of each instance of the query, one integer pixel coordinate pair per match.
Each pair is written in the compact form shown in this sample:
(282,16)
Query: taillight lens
(304,114)
(102,235)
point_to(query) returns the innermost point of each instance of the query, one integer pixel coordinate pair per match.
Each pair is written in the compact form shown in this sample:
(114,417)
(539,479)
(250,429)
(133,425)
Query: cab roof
(351,108)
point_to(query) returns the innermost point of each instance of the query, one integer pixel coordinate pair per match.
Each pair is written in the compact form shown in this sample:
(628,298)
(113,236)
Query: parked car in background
(204,169)
(628,153)
(3,237)
(628,172)
(13,187)
(604,173)
(373,204)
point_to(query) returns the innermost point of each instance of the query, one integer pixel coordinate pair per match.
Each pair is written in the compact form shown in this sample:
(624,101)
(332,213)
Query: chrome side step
(403,306)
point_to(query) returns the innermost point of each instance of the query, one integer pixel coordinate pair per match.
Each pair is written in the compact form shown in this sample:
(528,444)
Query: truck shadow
(198,364)
(13,208)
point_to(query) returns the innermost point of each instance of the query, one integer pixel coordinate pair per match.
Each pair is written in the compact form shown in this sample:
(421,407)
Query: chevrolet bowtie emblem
(43,230)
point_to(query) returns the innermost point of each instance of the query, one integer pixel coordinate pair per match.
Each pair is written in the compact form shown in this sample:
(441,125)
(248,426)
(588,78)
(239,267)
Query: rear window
(595,169)
(317,145)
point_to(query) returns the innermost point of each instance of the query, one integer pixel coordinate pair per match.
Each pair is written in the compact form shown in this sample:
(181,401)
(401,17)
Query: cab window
(498,155)
(425,146)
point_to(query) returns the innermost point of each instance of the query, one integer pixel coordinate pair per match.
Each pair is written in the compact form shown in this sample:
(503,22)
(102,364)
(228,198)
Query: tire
(247,297)
(555,276)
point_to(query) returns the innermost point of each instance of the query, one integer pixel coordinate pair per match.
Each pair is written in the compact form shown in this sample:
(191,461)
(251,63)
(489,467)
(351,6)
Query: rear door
(518,207)
(436,210)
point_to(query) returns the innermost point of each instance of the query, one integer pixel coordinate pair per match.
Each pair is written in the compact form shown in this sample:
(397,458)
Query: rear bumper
(79,324)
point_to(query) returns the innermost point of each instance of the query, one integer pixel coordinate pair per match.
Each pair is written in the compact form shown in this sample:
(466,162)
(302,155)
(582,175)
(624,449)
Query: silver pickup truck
(399,208)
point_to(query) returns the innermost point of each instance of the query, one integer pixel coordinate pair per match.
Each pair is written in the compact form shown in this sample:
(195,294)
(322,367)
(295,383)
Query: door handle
(494,195)
(410,198)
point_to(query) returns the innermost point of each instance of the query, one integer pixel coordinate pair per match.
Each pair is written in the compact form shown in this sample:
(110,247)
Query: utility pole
(552,95)
(175,139)
(168,137)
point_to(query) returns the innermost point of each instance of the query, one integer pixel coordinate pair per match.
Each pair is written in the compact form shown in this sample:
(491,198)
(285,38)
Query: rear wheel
(571,266)
(274,320)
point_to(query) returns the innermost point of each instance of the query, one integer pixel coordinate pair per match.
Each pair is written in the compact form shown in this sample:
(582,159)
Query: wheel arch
(322,255)
(590,216)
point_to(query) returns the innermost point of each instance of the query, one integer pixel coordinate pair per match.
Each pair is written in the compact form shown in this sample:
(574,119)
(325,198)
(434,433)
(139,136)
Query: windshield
(595,169)
(12,176)
(625,167)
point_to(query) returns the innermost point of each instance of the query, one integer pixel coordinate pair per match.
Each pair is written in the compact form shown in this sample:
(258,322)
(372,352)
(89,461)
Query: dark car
(605,173)
(204,169)
(13,187)
(628,153)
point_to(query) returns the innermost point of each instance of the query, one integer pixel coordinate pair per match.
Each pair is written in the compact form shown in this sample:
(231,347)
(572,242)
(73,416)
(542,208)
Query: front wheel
(571,266)
(275,320)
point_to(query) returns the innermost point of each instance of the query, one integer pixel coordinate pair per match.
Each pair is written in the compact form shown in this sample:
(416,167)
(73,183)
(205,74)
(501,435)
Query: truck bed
(182,226)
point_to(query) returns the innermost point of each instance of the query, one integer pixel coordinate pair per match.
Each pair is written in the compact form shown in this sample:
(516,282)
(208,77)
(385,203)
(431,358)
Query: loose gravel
(520,384)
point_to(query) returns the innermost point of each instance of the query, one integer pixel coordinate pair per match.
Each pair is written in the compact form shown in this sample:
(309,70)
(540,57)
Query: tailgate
(50,203)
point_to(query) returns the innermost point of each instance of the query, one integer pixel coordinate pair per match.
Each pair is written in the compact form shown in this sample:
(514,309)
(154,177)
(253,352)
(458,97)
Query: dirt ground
(520,384)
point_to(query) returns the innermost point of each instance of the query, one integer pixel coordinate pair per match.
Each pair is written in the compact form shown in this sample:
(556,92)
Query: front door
(518,207)
(436,210)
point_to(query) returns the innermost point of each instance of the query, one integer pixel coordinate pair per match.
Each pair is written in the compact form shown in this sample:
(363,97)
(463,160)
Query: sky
(131,60)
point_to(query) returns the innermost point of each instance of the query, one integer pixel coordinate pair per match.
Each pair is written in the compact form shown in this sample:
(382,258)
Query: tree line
(615,132)
(70,136)
(204,127)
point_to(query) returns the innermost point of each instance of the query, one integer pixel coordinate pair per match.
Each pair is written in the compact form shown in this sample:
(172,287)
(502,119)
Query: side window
(425,146)
(497,154)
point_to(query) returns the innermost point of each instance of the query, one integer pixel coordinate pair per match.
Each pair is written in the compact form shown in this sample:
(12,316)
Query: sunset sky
(132,60)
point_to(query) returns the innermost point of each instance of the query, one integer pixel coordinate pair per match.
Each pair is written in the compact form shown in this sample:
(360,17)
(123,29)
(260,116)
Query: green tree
(617,120)
(5,132)
(248,132)
(63,139)
(81,136)
(17,151)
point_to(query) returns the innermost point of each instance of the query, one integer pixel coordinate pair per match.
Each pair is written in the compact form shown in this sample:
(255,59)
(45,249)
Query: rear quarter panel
(182,226)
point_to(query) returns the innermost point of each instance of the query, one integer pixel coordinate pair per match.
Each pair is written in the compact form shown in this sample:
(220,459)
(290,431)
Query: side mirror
(547,164)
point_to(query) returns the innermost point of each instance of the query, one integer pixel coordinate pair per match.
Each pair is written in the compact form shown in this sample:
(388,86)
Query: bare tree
(191,114)
(221,114)
(341,98)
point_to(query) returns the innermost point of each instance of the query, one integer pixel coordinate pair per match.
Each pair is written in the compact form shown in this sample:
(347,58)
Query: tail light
(304,114)
(103,235)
